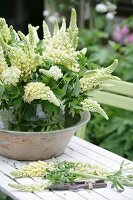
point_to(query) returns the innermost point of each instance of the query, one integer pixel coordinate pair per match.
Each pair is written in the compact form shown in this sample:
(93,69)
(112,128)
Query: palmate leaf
(17,103)
(77,88)
(65,88)
(13,92)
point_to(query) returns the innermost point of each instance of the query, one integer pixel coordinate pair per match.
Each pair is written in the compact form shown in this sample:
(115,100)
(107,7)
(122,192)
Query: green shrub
(116,134)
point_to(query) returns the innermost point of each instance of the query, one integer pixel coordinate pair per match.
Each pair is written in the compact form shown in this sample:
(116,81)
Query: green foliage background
(4,197)
(116,134)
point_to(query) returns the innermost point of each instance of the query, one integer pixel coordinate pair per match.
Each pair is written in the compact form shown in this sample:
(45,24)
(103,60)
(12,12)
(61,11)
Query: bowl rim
(85,117)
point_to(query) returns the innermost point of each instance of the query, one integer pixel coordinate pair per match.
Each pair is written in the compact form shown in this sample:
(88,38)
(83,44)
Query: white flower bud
(101,8)
(51,19)
(55,72)
(110,15)
(46,13)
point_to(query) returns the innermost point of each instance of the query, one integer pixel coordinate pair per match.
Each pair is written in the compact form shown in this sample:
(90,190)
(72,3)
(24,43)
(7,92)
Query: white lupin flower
(93,106)
(61,47)
(33,169)
(3,63)
(101,8)
(94,78)
(10,76)
(31,187)
(84,50)
(110,16)
(21,60)
(39,90)
(63,57)
(4,30)
(33,36)
(54,72)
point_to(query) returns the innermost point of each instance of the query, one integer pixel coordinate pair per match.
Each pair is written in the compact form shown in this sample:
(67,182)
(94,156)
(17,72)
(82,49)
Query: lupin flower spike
(3,63)
(73,21)
(27,47)
(93,106)
(4,30)
(33,36)
(56,27)
(95,78)
(14,33)
(31,187)
(46,31)
(10,76)
(73,29)
(39,90)
(32,169)
(112,67)
(63,27)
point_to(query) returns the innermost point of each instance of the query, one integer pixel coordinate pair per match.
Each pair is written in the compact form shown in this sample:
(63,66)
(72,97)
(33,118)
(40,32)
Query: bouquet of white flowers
(45,83)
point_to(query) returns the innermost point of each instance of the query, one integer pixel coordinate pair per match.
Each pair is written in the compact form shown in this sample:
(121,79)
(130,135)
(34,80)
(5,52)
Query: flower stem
(91,176)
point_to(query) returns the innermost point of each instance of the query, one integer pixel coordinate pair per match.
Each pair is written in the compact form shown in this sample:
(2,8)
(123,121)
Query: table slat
(78,150)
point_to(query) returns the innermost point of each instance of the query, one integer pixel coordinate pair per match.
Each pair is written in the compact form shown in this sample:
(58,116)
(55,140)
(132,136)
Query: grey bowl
(37,145)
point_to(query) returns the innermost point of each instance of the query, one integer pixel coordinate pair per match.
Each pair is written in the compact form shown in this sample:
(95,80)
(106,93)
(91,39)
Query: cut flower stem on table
(69,175)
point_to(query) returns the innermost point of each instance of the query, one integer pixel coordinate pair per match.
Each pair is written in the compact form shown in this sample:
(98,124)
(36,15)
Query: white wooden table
(79,150)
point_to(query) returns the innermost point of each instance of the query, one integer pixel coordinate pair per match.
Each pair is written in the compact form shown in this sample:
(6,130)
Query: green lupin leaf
(1,90)
(77,87)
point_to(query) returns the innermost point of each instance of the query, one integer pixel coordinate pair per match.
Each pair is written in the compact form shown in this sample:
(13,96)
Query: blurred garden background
(106,29)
